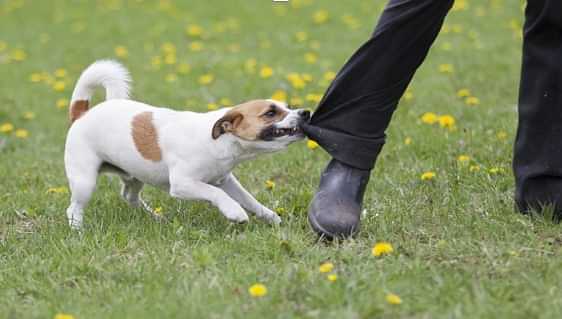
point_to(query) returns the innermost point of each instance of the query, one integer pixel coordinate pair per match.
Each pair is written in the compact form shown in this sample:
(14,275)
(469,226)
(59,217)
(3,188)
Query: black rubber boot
(335,210)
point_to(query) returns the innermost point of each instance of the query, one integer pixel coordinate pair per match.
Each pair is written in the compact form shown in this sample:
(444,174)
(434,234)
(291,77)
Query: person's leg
(537,162)
(351,119)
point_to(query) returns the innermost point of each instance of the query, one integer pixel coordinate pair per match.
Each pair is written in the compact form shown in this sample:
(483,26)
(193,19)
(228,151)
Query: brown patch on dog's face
(248,120)
(145,137)
(77,109)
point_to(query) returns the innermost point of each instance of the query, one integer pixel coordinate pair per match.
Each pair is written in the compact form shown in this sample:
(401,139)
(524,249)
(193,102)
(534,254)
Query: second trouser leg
(537,162)
(351,119)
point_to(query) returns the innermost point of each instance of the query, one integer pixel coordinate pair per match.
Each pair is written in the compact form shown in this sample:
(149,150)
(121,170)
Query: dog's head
(266,125)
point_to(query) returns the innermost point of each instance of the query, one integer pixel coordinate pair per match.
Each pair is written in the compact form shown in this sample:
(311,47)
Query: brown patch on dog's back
(145,137)
(77,109)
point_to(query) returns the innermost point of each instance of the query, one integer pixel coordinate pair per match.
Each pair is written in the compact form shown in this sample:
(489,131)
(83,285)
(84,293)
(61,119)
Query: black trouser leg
(537,162)
(351,119)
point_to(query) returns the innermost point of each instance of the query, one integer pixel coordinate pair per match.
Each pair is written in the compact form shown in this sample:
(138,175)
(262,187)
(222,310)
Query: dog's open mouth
(278,132)
(273,132)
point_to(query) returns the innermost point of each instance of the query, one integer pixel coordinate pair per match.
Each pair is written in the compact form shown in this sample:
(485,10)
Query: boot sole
(321,231)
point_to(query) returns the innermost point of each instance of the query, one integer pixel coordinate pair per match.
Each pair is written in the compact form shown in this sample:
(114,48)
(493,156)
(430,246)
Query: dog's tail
(110,75)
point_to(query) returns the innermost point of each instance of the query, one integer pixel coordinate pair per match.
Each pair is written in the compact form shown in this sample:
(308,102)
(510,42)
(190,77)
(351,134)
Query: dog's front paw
(270,216)
(75,224)
(234,212)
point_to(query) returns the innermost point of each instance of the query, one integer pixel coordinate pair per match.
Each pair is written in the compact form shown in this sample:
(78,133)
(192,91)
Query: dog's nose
(304,114)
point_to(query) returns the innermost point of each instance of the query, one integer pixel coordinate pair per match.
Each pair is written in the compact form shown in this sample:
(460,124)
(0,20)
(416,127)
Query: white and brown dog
(190,155)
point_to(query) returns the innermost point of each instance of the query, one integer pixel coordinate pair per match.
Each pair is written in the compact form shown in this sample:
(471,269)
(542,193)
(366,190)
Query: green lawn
(460,250)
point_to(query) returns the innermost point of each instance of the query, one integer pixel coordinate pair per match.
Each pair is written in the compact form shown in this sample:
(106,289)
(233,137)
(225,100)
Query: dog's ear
(227,124)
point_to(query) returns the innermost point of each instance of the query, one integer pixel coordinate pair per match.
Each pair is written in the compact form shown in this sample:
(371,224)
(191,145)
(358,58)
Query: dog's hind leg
(82,175)
(131,191)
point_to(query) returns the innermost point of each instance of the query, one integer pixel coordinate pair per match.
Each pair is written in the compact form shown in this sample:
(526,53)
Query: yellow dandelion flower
(463,159)
(22,133)
(280,210)
(170,59)
(158,210)
(459,5)
(63,316)
(429,118)
(35,77)
(156,61)
(196,46)
(494,170)
(393,299)
(6,128)
(301,36)
(206,79)
(350,21)
(306,77)
(472,101)
(326,267)
(427,176)
(266,72)
(501,135)
(194,30)
(296,101)
(332,277)
(382,248)
(329,75)
(62,103)
(59,86)
(18,55)
(279,95)
(28,115)
(296,80)
(269,184)
(212,106)
(121,52)
(408,140)
(225,101)
(463,93)
(257,290)
(408,95)
(57,190)
(320,16)
(314,98)
(171,77)
(474,168)
(312,144)
(446,68)
(60,73)
(310,57)
(168,47)
(250,65)
(447,121)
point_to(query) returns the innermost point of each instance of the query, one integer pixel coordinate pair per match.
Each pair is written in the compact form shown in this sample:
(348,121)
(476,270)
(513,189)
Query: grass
(460,250)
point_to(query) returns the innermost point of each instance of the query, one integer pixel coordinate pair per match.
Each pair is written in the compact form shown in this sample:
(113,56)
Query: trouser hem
(358,152)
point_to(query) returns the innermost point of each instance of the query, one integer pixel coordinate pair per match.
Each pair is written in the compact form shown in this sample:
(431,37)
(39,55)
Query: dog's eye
(270,113)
